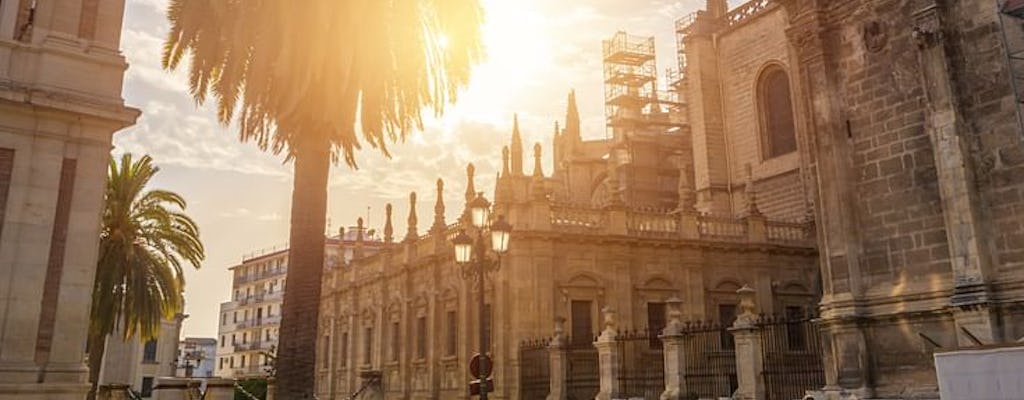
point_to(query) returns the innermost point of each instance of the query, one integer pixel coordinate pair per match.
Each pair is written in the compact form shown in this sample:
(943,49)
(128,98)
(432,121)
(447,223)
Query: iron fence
(711,360)
(792,356)
(583,380)
(534,369)
(642,373)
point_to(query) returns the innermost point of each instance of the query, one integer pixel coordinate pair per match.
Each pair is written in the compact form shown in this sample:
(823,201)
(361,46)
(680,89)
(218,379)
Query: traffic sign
(474,386)
(481,366)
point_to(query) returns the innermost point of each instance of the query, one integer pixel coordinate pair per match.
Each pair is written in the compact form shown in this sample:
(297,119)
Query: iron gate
(642,373)
(534,370)
(791,353)
(583,381)
(711,360)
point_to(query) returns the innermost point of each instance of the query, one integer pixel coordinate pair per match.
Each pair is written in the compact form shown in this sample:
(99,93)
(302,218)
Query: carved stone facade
(61,74)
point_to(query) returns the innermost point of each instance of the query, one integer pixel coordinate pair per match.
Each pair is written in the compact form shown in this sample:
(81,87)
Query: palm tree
(317,80)
(144,243)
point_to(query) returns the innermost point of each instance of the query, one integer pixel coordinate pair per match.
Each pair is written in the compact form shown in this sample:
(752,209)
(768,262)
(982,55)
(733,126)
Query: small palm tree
(317,79)
(145,241)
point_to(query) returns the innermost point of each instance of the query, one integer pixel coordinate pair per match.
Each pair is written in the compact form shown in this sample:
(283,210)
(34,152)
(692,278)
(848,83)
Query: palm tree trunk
(97,346)
(296,354)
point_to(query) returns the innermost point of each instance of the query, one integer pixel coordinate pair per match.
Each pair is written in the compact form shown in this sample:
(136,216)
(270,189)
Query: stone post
(749,361)
(608,358)
(170,388)
(224,389)
(558,356)
(271,388)
(674,353)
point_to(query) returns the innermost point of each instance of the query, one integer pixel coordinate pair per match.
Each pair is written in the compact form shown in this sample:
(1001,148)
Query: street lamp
(472,255)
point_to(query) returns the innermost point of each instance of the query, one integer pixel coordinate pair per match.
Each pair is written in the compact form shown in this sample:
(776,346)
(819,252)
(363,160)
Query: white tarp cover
(986,374)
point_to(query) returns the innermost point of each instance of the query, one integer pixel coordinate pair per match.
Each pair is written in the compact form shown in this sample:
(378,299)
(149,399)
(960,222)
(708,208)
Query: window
(147,386)
(243,362)
(224,319)
(486,323)
(368,346)
(245,337)
(582,325)
(222,341)
(656,323)
(268,334)
(149,351)
(231,362)
(421,338)
(776,106)
(236,317)
(395,340)
(726,315)
(325,355)
(452,325)
(221,363)
(233,341)
(344,349)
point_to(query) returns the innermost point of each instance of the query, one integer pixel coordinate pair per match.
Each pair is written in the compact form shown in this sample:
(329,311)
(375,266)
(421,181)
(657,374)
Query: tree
(316,80)
(145,241)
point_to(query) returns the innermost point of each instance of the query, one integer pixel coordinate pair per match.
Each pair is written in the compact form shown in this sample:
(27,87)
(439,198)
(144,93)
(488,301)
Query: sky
(537,51)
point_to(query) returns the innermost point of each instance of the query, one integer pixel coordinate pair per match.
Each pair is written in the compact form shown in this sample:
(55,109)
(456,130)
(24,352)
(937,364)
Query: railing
(792,356)
(572,219)
(642,375)
(650,223)
(583,380)
(711,360)
(747,10)
(786,231)
(719,227)
(534,369)
(683,24)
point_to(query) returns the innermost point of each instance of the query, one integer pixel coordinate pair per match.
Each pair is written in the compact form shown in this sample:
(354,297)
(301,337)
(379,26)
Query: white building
(249,323)
(137,363)
(61,75)
(197,357)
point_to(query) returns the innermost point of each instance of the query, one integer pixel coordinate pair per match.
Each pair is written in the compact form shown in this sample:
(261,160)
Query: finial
(411,234)
(504,161)
(470,185)
(359,230)
(572,117)
(537,171)
(751,193)
(748,307)
(389,230)
(341,233)
(558,131)
(517,147)
(439,223)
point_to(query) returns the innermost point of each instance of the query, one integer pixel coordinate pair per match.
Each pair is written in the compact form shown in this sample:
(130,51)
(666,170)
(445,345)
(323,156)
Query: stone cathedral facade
(862,158)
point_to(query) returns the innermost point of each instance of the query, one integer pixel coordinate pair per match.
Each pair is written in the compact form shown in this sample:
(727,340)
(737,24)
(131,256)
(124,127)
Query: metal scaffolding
(631,88)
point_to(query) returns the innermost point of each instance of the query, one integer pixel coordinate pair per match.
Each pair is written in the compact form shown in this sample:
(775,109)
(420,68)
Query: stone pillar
(559,363)
(968,246)
(749,361)
(688,228)
(224,389)
(674,353)
(170,388)
(608,358)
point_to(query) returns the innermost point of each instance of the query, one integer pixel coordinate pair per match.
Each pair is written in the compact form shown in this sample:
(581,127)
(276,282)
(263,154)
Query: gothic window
(582,325)
(452,338)
(421,338)
(395,340)
(776,108)
(368,346)
(344,349)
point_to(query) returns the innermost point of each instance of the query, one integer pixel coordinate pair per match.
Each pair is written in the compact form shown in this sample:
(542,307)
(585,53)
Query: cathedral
(860,160)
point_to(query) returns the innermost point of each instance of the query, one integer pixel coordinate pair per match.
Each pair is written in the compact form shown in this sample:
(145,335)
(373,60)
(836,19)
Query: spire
(439,223)
(537,171)
(572,118)
(517,147)
(470,185)
(389,230)
(504,164)
(687,202)
(411,234)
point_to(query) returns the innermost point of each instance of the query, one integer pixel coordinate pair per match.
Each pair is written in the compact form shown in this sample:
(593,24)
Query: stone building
(197,357)
(891,128)
(249,323)
(61,73)
(615,226)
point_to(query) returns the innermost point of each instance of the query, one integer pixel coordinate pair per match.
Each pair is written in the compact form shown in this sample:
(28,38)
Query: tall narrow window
(368,347)
(149,351)
(452,326)
(147,387)
(421,338)
(655,323)
(582,326)
(396,338)
(776,106)
(344,349)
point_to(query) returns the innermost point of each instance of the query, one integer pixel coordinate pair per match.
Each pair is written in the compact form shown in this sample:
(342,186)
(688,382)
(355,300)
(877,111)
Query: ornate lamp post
(472,255)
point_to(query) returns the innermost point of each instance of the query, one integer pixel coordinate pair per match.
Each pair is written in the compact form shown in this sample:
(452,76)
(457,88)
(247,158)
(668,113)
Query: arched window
(776,106)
